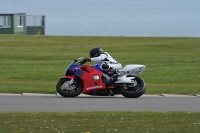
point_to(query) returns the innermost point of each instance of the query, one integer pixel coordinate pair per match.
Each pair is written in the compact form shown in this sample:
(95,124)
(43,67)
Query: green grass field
(35,63)
(100,122)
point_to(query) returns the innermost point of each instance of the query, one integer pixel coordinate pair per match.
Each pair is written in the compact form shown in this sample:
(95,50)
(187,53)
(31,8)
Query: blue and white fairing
(128,73)
(98,66)
(132,69)
(72,66)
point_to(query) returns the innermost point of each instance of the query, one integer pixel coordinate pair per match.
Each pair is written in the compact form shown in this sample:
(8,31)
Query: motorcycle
(91,80)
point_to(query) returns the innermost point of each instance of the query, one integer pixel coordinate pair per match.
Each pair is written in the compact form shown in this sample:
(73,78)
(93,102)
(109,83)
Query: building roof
(12,13)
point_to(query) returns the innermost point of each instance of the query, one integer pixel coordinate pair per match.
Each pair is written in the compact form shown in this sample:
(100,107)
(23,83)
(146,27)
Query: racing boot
(114,77)
(113,73)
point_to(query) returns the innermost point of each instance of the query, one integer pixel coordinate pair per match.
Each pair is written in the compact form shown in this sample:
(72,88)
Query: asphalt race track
(55,103)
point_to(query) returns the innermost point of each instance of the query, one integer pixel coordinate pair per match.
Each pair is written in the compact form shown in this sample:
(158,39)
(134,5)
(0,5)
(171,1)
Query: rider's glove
(85,60)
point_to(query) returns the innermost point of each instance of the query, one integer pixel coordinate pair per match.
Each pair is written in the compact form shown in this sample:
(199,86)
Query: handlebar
(78,59)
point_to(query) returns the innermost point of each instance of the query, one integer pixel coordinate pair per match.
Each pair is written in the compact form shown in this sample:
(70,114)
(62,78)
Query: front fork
(71,82)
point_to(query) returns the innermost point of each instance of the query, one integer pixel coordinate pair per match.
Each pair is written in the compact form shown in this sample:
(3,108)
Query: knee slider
(105,66)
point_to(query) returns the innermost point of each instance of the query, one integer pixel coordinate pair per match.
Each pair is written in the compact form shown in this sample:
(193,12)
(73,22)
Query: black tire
(66,91)
(133,92)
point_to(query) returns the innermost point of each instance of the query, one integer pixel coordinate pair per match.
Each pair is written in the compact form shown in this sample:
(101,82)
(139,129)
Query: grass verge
(35,63)
(100,122)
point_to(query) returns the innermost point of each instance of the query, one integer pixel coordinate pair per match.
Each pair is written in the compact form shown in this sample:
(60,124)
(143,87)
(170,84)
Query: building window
(20,21)
(4,21)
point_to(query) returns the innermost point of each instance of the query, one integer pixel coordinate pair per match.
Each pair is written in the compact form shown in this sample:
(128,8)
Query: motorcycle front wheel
(133,90)
(69,89)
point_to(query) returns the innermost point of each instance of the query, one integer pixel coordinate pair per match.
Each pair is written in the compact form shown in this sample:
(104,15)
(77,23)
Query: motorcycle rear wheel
(134,90)
(66,90)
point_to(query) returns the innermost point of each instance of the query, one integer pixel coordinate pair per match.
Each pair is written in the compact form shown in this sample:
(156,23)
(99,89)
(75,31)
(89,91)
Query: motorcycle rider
(108,64)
